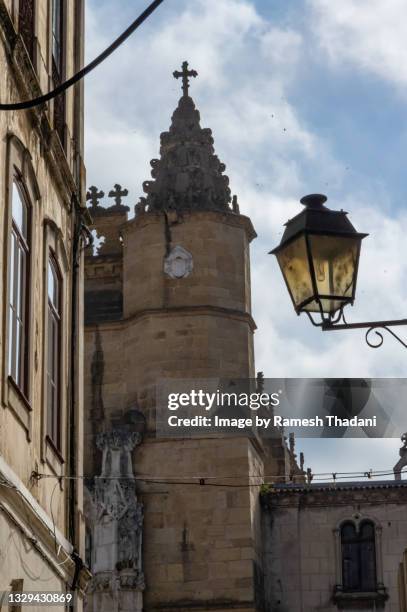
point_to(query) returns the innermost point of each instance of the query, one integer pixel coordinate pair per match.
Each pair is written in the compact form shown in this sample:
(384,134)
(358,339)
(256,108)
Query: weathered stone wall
(219,245)
(402,583)
(300,535)
(202,543)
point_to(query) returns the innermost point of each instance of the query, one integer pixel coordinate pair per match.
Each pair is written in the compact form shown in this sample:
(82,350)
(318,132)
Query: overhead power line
(205,480)
(87,69)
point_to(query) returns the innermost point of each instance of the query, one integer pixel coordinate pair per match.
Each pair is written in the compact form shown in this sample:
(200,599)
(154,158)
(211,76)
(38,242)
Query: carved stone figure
(116,524)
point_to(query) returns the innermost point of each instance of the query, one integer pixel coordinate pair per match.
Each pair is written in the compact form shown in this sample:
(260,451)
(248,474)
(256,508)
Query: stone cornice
(28,87)
(303,497)
(227,218)
(245,317)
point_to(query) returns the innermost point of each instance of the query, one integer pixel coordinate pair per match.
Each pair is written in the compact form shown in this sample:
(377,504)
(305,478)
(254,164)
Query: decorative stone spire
(188,175)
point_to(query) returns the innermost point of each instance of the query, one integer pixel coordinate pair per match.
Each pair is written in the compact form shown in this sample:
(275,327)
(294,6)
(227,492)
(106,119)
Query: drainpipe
(78,231)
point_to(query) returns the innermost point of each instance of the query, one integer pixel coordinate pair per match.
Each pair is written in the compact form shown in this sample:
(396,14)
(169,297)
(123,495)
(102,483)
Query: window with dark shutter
(358,557)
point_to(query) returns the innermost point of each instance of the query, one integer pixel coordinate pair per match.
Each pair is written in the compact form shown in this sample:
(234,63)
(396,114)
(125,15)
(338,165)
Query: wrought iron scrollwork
(380,339)
(338,322)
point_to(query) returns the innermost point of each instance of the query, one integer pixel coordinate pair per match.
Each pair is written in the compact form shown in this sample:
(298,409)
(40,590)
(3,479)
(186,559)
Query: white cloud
(370,34)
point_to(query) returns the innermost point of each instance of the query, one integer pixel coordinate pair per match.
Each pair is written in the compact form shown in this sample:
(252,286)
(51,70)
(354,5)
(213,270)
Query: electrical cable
(87,69)
(203,480)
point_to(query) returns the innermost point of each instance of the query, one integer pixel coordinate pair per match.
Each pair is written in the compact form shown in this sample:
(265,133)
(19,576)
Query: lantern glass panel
(335,262)
(293,260)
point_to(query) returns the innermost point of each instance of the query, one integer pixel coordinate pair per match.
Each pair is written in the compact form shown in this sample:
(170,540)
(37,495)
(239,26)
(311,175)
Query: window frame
(19,166)
(30,42)
(341,595)
(57,69)
(53,452)
(54,412)
(57,61)
(18,243)
(356,542)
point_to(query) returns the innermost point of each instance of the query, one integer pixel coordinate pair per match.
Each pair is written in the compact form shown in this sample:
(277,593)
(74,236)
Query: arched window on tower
(358,557)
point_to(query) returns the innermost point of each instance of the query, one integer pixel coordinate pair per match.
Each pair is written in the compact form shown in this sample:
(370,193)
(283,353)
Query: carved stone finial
(403,458)
(188,176)
(117,193)
(93,195)
(310,475)
(302,460)
(260,382)
(291,440)
(184,75)
(235,205)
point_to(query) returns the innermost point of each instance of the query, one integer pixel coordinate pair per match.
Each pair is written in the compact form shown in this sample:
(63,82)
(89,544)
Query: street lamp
(319,258)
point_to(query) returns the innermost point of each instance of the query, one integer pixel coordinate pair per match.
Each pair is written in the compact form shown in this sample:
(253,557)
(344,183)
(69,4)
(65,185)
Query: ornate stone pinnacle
(188,175)
(184,75)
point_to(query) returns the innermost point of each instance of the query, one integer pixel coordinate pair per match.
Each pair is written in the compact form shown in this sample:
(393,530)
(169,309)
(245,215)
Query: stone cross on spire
(185,74)
(117,193)
(94,196)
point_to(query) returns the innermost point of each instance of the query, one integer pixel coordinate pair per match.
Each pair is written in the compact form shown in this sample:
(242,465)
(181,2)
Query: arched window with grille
(358,549)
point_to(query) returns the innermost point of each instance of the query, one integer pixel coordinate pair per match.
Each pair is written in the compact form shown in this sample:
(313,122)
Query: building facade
(331,547)
(41,228)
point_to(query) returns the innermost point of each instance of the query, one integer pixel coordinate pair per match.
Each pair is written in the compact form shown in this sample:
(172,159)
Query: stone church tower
(168,297)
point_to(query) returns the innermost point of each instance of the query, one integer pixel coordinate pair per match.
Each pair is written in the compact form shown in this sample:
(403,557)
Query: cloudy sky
(302,96)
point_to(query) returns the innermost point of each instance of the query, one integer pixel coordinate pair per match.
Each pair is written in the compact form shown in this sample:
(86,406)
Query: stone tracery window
(358,557)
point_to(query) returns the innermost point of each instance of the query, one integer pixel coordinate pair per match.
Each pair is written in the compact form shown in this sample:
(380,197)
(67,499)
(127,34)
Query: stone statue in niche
(179,263)
(115,520)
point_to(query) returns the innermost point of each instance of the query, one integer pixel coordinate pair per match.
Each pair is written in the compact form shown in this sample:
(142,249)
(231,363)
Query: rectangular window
(54,353)
(26,17)
(57,34)
(358,557)
(18,289)
(57,66)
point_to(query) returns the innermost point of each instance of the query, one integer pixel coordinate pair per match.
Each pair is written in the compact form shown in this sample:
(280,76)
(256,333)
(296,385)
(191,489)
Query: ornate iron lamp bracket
(331,324)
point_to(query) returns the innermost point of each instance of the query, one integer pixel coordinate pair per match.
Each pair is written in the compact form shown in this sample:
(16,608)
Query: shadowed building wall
(42,204)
